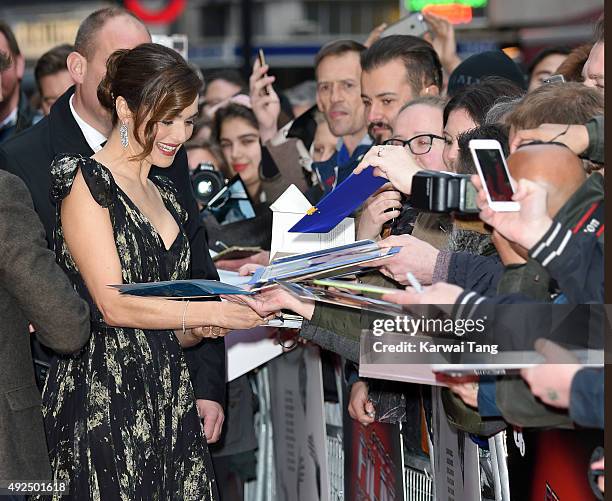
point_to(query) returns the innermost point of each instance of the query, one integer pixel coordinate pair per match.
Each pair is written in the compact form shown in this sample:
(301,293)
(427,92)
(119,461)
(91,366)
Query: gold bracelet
(184,313)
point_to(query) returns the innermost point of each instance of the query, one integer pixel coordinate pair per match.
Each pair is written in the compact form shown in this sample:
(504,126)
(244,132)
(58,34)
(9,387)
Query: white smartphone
(413,24)
(493,170)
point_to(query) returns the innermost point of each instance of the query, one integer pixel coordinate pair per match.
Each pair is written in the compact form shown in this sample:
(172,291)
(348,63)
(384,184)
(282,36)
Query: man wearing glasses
(396,70)
(418,129)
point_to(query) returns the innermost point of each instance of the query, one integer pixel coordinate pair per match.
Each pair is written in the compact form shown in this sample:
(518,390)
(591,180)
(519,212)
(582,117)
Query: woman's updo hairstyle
(155,81)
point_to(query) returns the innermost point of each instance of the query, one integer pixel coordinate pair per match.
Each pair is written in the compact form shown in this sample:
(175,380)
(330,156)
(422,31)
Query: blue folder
(340,203)
(180,289)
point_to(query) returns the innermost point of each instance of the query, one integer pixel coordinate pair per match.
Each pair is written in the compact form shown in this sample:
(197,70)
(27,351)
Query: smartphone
(413,24)
(558,78)
(262,62)
(493,171)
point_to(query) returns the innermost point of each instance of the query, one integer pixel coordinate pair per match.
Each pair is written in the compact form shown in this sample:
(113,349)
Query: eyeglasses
(418,145)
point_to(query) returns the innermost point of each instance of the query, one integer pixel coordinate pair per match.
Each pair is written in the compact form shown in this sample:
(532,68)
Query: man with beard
(395,70)
(338,74)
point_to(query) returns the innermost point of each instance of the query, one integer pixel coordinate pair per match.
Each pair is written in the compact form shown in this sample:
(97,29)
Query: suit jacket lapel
(66,135)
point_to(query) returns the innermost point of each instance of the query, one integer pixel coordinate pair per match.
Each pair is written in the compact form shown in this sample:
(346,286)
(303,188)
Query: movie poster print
(551,465)
(373,461)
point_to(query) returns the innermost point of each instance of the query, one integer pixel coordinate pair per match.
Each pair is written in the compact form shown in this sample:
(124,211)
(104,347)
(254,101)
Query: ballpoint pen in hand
(418,288)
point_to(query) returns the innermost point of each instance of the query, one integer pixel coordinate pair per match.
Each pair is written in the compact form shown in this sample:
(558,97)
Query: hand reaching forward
(236,315)
(393,163)
(416,257)
(268,302)
(441,294)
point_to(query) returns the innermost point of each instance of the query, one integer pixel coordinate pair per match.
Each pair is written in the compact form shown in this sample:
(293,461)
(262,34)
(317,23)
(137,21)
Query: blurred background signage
(456,11)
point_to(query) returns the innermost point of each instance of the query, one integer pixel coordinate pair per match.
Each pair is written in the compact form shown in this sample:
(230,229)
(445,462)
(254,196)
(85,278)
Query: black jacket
(29,156)
(571,251)
(473,272)
(25,117)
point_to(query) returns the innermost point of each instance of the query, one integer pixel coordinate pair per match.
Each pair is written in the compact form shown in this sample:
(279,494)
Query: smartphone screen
(495,174)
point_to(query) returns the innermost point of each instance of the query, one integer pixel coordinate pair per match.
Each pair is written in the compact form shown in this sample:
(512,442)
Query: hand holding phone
(493,171)
(524,227)
(413,24)
(262,63)
(264,100)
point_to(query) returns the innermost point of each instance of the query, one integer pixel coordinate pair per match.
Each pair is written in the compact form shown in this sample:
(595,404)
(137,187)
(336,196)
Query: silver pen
(414,283)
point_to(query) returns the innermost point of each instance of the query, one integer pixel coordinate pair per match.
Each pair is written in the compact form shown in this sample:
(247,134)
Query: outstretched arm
(89,237)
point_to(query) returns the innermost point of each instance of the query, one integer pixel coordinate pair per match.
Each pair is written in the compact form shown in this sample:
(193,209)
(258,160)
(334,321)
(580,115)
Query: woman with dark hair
(468,109)
(121,415)
(236,130)
(545,64)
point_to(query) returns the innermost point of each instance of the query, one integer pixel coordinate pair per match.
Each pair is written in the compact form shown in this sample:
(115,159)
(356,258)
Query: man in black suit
(16,114)
(78,124)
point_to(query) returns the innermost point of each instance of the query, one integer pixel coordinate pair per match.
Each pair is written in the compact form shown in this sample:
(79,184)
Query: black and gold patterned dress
(121,416)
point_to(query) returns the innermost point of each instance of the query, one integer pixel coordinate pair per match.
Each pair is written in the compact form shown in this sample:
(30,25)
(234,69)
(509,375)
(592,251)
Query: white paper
(288,209)
(456,464)
(233,278)
(248,349)
(408,373)
(292,200)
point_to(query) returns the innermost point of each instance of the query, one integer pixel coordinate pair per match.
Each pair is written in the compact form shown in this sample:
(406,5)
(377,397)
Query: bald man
(568,193)
(533,162)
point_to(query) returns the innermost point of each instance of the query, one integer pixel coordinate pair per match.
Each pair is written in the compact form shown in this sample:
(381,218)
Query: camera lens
(206,182)
(204,188)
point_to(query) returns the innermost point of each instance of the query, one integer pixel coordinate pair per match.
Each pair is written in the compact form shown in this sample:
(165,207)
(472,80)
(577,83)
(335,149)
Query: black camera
(435,191)
(207,182)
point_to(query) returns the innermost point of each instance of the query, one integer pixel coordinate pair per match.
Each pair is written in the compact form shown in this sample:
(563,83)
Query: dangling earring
(123,134)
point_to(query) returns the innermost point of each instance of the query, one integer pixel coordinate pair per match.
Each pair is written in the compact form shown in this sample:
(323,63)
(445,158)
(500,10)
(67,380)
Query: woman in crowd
(205,151)
(237,132)
(545,64)
(121,416)
(468,109)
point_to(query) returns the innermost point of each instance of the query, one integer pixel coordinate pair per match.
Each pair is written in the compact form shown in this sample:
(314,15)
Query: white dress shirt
(93,136)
